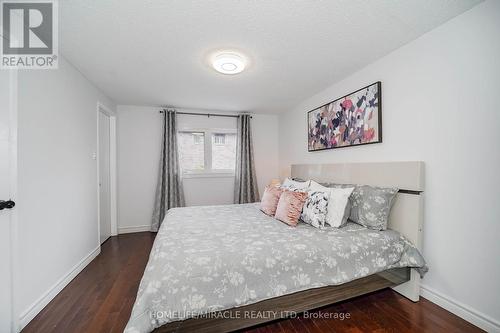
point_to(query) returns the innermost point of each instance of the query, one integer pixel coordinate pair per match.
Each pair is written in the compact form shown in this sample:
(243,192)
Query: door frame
(101,108)
(13,123)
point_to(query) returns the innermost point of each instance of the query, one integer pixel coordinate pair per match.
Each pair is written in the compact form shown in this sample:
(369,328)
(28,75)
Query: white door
(8,85)
(104,177)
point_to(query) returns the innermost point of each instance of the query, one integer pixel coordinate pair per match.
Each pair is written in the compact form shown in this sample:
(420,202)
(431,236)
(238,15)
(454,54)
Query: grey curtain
(169,191)
(245,186)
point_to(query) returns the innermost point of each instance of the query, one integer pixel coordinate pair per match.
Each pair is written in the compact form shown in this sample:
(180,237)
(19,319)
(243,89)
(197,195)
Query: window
(191,150)
(219,139)
(223,151)
(207,151)
(198,138)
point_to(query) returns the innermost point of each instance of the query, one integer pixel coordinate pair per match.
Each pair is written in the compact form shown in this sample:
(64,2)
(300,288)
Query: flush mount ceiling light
(228,62)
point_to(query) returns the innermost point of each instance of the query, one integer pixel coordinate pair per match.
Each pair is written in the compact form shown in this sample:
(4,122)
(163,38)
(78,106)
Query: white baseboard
(139,228)
(463,311)
(40,303)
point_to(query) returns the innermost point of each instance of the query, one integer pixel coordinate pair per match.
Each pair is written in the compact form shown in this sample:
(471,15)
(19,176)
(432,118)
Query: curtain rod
(207,114)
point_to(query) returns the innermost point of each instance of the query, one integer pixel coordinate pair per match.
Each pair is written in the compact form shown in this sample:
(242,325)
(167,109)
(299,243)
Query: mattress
(212,258)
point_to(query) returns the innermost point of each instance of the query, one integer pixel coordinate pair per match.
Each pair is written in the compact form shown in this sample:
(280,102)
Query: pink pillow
(290,207)
(270,199)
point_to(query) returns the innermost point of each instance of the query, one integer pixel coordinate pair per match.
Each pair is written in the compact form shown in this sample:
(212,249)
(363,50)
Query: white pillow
(294,185)
(337,203)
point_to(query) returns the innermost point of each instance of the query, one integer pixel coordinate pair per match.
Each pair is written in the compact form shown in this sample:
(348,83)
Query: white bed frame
(407,212)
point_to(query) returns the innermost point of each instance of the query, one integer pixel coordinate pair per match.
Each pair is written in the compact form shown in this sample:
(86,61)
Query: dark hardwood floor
(100,299)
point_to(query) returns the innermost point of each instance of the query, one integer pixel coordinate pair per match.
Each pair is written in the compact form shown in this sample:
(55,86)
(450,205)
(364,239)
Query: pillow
(289,207)
(372,205)
(297,179)
(270,200)
(315,208)
(339,207)
(293,185)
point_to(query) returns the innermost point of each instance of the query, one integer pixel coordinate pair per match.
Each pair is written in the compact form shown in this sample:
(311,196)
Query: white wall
(57,184)
(139,136)
(138,154)
(440,105)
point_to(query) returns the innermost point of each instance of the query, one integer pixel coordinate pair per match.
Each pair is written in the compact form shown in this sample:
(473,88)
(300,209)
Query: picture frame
(354,119)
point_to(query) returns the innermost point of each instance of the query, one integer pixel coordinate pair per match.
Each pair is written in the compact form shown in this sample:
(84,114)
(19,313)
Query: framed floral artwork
(352,120)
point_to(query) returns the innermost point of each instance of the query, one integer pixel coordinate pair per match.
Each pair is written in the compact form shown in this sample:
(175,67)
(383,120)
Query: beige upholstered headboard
(407,212)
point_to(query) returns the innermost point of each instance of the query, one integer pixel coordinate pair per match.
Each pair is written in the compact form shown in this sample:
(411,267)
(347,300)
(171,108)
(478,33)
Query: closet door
(8,181)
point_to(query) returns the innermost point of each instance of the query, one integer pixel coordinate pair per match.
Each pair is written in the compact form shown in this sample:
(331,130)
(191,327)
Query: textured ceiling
(154,52)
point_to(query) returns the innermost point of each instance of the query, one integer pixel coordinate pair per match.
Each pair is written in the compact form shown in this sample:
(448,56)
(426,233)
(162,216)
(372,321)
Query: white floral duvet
(218,257)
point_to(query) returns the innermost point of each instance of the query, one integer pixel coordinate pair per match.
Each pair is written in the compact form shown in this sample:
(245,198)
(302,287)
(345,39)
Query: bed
(222,268)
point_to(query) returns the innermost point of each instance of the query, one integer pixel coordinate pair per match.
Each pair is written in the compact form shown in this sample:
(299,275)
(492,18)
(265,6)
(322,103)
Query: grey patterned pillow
(370,205)
(315,209)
